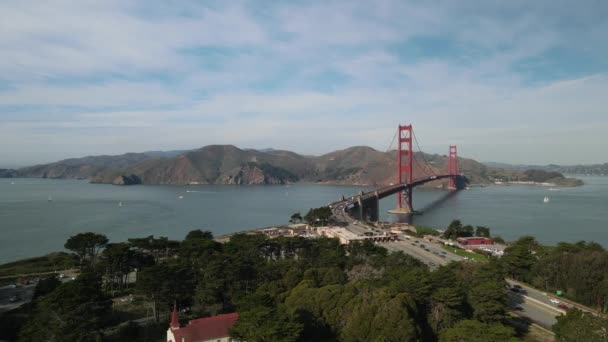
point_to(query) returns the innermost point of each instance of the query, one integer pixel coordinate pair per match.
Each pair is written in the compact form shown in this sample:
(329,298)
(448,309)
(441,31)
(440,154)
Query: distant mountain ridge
(227,164)
(581,169)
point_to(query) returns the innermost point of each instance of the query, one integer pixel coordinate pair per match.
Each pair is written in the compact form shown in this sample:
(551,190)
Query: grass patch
(463,253)
(423,230)
(48,263)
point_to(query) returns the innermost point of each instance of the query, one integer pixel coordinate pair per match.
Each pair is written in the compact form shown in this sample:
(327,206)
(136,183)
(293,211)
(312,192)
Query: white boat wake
(202,192)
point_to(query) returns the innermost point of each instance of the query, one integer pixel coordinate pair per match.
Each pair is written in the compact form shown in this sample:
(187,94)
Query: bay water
(37,216)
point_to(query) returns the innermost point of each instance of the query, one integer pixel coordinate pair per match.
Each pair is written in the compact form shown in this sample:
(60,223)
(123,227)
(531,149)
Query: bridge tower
(453,166)
(404,165)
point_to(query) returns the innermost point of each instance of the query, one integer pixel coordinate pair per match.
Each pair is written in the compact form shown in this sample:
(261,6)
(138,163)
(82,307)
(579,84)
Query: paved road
(537,311)
(428,253)
(13,297)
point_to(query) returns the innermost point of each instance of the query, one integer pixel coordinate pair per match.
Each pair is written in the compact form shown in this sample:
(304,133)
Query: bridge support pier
(369,209)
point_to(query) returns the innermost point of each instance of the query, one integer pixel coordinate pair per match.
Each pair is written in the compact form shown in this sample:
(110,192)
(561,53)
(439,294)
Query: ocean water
(31,225)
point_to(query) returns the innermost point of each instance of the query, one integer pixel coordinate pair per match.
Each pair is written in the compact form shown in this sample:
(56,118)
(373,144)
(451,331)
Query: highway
(12,296)
(422,250)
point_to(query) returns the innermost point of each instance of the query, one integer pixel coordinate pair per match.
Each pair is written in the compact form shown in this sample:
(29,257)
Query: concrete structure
(346,236)
(208,329)
(474,240)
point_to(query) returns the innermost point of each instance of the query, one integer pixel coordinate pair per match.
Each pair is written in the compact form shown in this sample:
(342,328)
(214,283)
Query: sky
(509,81)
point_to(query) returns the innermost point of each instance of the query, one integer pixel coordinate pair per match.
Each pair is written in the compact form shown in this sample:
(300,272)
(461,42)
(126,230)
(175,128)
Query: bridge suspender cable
(422,154)
(392,141)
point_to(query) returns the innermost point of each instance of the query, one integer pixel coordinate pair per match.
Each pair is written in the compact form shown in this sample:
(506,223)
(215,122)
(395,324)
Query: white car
(554,301)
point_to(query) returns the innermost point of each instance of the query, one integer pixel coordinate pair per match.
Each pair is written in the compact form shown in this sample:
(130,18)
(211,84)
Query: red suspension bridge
(365,206)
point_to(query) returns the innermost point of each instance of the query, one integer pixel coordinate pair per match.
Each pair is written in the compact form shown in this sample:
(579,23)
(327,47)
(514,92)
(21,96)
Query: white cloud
(104,75)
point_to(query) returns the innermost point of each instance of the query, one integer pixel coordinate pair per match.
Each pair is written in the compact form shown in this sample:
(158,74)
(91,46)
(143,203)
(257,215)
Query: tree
(45,286)
(482,231)
(576,325)
(197,248)
(519,258)
(456,230)
(498,239)
(158,248)
(86,246)
(261,320)
(488,300)
(117,260)
(448,306)
(474,331)
(319,216)
(162,285)
(296,218)
(72,312)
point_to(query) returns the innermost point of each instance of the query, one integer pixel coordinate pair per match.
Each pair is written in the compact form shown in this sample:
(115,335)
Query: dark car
(514,289)
(563,306)
(519,308)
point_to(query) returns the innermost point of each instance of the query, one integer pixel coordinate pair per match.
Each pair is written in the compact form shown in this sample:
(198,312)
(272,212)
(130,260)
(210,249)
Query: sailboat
(120,204)
(50,198)
(546,199)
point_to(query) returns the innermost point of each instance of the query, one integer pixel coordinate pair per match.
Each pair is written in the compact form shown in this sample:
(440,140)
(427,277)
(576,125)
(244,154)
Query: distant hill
(590,169)
(227,164)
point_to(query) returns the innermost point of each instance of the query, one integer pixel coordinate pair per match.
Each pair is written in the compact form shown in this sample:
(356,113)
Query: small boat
(12,183)
(546,199)
(180,197)
(120,204)
(50,198)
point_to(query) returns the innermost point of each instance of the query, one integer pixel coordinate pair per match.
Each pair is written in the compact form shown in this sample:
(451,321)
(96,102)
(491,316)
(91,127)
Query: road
(424,251)
(13,297)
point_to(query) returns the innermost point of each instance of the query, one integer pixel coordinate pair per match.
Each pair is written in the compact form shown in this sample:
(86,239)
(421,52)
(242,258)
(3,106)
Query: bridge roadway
(343,209)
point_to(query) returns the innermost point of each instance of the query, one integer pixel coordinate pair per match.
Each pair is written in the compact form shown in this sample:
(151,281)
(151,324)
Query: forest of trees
(296,289)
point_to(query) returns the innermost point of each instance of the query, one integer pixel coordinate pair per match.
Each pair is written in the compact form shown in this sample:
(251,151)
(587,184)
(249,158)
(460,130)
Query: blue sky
(512,81)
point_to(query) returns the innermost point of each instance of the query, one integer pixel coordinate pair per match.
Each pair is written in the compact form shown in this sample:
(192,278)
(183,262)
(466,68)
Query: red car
(562,306)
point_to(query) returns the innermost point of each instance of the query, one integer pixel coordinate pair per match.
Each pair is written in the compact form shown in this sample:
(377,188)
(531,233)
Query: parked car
(563,306)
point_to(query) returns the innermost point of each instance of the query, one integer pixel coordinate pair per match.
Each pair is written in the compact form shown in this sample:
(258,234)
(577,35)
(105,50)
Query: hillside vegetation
(227,164)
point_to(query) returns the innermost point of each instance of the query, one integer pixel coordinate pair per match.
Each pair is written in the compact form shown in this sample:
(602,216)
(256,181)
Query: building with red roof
(474,240)
(207,329)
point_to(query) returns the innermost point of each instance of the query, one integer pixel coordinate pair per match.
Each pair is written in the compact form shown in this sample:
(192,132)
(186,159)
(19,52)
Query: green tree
(482,231)
(296,218)
(74,311)
(448,306)
(488,300)
(576,325)
(520,257)
(45,286)
(318,217)
(261,320)
(162,285)
(117,260)
(197,248)
(86,246)
(474,331)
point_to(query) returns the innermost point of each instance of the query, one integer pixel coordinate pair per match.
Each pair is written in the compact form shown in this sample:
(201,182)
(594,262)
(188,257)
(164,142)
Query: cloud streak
(88,77)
